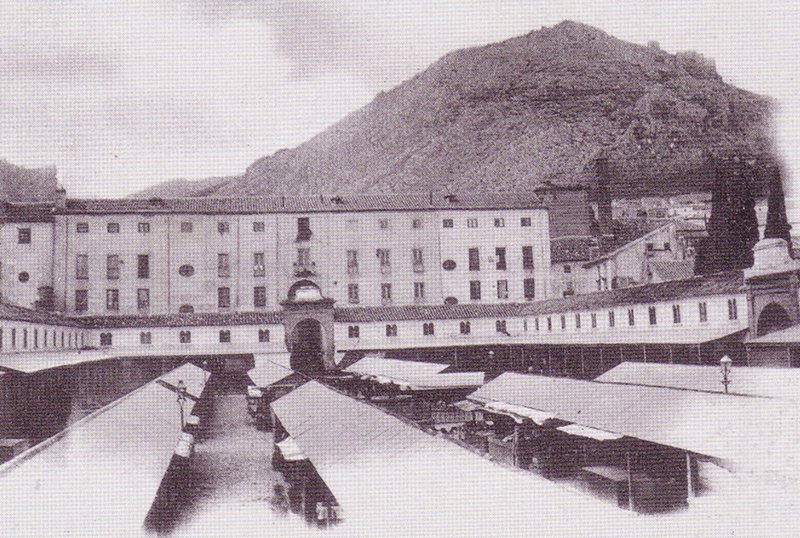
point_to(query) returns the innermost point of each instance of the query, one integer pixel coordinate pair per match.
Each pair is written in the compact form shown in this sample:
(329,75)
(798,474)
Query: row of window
(473,257)
(429,329)
(652,317)
(499,222)
(223,227)
(114,266)
(501,287)
(114,263)
(50,338)
(143,299)
(184,337)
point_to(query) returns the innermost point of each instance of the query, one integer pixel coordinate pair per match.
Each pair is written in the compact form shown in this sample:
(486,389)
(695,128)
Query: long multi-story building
(314,276)
(155,257)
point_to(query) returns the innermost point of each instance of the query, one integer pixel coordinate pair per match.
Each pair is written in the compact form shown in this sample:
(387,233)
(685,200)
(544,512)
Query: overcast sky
(120,95)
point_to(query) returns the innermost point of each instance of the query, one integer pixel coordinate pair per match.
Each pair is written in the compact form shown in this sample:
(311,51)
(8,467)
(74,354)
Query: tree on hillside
(733,226)
(777,222)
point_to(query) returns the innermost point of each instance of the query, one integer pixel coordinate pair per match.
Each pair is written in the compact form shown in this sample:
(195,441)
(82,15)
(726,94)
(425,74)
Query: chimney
(60,197)
(602,176)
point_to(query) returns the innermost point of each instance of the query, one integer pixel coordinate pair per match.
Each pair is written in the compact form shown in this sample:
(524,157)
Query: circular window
(449,265)
(24,277)
(186,270)
(186,309)
(451,300)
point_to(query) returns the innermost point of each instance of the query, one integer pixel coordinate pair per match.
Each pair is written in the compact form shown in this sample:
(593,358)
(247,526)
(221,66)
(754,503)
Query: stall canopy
(392,478)
(393,368)
(726,427)
(518,412)
(748,380)
(589,433)
(269,368)
(290,451)
(414,376)
(33,362)
(104,469)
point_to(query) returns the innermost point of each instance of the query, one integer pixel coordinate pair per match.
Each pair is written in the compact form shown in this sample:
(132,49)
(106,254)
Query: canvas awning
(590,433)
(518,412)
(468,406)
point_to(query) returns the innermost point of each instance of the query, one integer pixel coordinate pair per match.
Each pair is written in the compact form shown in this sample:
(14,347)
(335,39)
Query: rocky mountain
(517,114)
(18,184)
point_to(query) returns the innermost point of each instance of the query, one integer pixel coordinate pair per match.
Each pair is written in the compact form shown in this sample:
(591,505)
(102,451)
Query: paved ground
(232,466)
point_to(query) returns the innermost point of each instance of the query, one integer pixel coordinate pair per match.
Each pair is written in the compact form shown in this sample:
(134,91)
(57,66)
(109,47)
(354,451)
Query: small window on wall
(499,223)
(525,222)
(143,298)
(82,227)
(187,227)
(23,236)
(353,331)
(563,322)
(223,297)
(702,309)
(447,223)
(186,309)
(732,310)
(500,326)
(472,223)
(416,223)
(391,330)
(223,227)
(384,224)
(594,320)
(259,297)
(263,335)
(23,277)
(577,321)
(224,337)
(112,227)
(464,327)
(631,317)
(145,338)
(427,329)
(185,337)
(352,293)
(143,227)
(611,320)
(105,339)
(258,226)
(81,301)
(303,229)
(651,315)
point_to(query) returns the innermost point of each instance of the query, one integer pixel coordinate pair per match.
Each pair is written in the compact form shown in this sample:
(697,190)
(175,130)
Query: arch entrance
(308,325)
(306,346)
(772,318)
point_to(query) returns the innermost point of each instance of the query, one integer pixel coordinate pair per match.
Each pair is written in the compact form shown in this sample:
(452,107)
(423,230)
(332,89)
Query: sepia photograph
(374,268)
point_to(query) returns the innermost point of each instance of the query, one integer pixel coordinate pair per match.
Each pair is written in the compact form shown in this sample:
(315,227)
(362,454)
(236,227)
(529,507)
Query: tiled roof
(304,204)
(41,212)
(718,284)
(625,232)
(672,270)
(184,320)
(18,313)
(571,249)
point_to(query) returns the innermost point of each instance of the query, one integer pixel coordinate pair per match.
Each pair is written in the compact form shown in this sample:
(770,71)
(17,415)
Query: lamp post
(181,386)
(725,366)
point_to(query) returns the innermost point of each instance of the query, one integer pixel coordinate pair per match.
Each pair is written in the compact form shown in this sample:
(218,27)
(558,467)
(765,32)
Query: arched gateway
(308,325)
